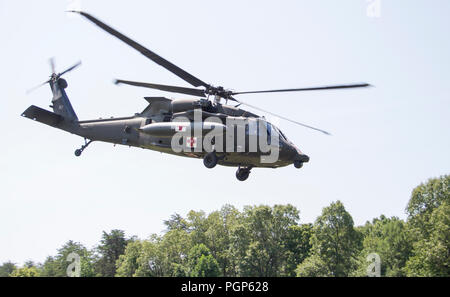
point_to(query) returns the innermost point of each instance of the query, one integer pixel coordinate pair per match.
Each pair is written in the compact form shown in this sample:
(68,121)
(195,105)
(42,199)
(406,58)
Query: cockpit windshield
(271,128)
(279,132)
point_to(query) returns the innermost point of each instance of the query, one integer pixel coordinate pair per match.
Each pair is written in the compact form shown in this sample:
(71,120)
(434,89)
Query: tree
(206,266)
(432,255)
(57,266)
(218,238)
(260,239)
(52,268)
(201,263)
(164,256)
(428,221)
(127,264)
(7,268)
(151,261)
(25,272)
(425,198)
(198,226)
(176,221)
(388,238)
(112,245)
(269,241)
(313,266)
(335,244)
(298,247)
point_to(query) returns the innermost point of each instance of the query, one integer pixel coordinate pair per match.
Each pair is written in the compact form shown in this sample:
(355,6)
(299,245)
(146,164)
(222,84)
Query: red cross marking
(191,141)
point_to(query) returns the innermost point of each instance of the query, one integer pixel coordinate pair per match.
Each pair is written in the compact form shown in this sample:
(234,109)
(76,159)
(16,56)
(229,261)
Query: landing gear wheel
(298,164)
(78,152)
(210,160)
(242,174)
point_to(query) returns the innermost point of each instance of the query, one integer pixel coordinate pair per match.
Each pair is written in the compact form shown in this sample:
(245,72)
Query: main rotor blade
(281,117)
(173,89)
(70,69)
(363,85)
(146,52)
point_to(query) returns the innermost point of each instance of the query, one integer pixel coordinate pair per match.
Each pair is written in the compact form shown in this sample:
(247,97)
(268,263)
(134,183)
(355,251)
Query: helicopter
(195,128)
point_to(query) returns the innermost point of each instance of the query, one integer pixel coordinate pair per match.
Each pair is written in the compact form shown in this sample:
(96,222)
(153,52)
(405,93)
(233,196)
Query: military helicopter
(156,126)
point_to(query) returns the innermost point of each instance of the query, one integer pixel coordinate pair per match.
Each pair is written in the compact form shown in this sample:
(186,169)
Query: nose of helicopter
(291,154)
(298,157)
(302,158)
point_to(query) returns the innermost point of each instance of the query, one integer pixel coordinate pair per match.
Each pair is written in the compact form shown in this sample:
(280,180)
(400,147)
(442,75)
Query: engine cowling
(182,105)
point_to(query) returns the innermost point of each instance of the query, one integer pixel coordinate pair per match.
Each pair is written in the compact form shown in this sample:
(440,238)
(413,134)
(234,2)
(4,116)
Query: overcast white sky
(386,140)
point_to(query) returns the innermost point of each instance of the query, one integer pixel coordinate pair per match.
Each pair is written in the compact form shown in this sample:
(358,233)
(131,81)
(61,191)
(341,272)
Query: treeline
(270,241)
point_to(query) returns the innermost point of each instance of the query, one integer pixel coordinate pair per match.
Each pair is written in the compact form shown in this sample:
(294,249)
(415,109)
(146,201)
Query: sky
(386,139)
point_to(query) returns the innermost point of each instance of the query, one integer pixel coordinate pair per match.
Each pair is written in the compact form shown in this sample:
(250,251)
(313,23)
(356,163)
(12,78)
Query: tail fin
(60,103)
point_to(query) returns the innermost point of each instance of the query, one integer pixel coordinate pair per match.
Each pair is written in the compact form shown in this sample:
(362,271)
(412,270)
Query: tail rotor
(55,77)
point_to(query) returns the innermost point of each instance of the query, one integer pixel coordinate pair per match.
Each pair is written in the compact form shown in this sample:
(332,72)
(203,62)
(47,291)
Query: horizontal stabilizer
(41,115)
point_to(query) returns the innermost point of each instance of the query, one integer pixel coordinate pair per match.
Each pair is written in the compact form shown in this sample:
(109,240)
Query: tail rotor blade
(70,69)
(54,76)
(52,64)
(37,87)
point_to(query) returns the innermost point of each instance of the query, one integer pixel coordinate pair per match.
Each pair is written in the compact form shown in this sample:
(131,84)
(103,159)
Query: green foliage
(424,200)
(260,239)
(429,223)
(176,221)
(206,266)
(151,260)
(313,266)
(25,272)
(162,256)
(57,266)
(219,236)
(112,245)
(388,238)
(202,263)
(7,268)
(298,247)
(269,241)
(429,196)
(335,244)
(431,256)
(127,264)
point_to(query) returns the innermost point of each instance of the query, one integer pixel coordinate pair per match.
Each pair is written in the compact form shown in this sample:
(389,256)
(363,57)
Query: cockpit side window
(282,134)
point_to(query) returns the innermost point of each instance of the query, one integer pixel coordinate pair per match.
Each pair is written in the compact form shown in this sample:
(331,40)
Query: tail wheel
(210,160)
